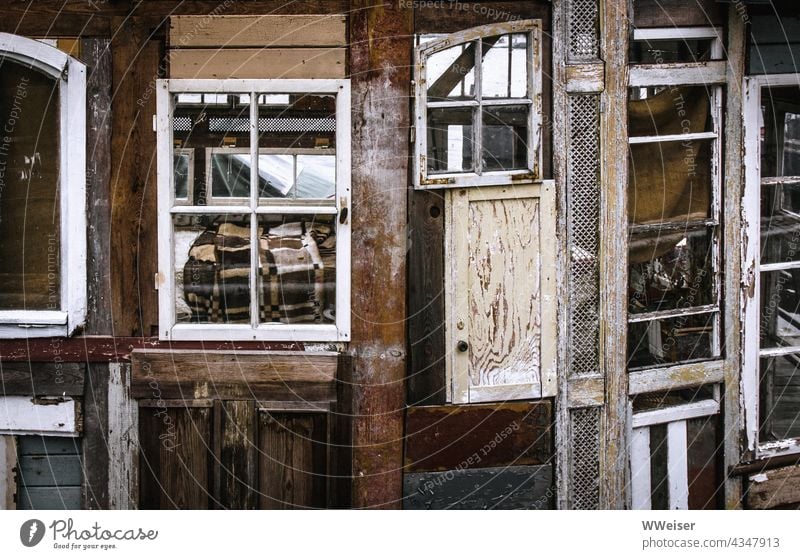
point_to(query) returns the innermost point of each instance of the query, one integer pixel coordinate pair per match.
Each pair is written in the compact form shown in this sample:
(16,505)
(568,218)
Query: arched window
(479,107)
(42,190)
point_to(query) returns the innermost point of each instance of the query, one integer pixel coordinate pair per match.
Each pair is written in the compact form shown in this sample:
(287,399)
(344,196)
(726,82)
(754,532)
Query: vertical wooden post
(734,438)
(380,68)
(614,467)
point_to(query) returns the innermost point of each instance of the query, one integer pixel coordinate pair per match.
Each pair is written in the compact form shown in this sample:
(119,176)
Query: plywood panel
(258,63)
(292,463)
(257,31)
(174,459)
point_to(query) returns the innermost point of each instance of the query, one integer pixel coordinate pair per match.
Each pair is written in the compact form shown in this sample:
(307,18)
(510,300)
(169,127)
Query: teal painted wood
(513,487)
(49,473)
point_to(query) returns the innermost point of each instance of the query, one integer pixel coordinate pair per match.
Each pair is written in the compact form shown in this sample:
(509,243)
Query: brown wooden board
(94,493)
(41,379)
(258,31)
(456,16)
(235,479)
(467,437)
(380,55)
(175,458)
(292,460)
(775,489)
(513,487)
(676,13)
(286,63)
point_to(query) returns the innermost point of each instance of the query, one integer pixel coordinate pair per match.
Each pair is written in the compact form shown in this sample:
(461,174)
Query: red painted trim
(103,349)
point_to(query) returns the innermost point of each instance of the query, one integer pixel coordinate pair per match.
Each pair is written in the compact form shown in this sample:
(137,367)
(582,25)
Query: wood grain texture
(380,54)
(258,31)
(614,463)
(513,487)
(286,63)
(175,458)
(41,379)
(219,375)
(676,13)
(446,437)
(94,494)
(774,488)
(452,17)
(292,460)
(236,476)
(123,440)
(135,63)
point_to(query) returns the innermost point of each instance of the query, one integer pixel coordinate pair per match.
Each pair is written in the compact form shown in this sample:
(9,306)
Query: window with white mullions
(254,237)
(674,208)
(478,106)
(771,382)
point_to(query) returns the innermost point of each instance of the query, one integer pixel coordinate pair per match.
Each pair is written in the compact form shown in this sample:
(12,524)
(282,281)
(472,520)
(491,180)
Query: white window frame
(533,173)
(169,329)
(71,75)
(714,34)
(751,269)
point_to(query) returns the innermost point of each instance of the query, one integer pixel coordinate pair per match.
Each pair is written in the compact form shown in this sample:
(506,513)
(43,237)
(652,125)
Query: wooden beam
(449,17)
(94,491)
(41,379)
(775,488)
(614,464)
(462,437)
(123,440)
(258,31)
(285,63)
(381,43)
(8,480)
(675,377)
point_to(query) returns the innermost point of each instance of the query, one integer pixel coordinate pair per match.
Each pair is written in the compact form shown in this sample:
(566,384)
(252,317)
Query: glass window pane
(504,72)
(297,269)
(183,167)
(670,51)
(670,270)
(780,308)
(672,340)
(316,176)
(670,181)
(304,121)
(779,408)
(450,140)
(450,73)
(780,220)
(505,138)
(780,131)
(657,111)
(217,127)
(212,269)
(276,175)
(30,241)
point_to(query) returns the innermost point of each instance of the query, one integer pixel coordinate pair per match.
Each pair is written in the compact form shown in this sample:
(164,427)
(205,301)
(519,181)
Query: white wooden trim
(533,28)
(123,440)
(695,73)
(71,77)
(672,138)
(778,448)
(677,466)
(168,329)
(20,318)
(641,484)
(683,375)
(778,266)
(680,412)
(677,33)
(20,415)
(8,461)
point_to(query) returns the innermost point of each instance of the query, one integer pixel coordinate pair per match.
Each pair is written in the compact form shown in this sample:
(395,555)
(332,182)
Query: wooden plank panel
(41,379)
(264,375)
(513,487)
(36,471)
(175,458)
(258,31)
(292,463)
(237,479)
(585,78)
(32,444)
(774,488)
(123,440)
(451,17)
(258,63)
(773,59)
(676,13)
(95,437)
(467,437)
(21,414)
(49,498)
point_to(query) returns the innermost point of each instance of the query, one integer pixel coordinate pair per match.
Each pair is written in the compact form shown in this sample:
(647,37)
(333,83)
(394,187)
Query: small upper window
(478,106)
(42,192)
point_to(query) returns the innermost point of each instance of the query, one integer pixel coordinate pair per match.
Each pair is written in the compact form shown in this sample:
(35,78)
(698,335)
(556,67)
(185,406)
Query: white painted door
(500,292)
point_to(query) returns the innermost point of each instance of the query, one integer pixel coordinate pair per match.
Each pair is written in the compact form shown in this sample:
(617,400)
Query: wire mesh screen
(585,458)
(582,30)
(583,221)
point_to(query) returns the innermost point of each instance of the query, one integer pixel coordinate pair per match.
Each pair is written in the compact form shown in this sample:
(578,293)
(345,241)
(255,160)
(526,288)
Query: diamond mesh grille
(583,221)
(585,458)
(582,30)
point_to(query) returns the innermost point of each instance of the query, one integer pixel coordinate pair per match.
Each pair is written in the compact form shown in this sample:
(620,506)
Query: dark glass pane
(30,238)
(780,308)
(703,454)
(450,140)
(780,220)
(296,121)
(673,340)
(297,269)
(670,270)
(670,51)
(212,269)
(779,408)
(505,138)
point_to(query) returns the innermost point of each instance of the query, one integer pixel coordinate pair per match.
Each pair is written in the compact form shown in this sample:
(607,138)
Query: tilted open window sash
(479,107)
